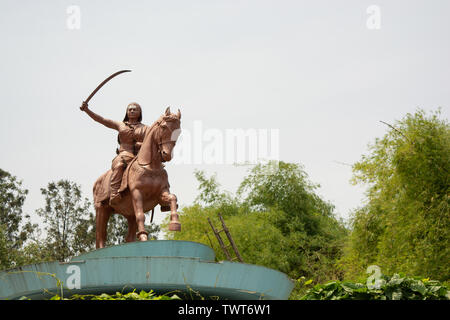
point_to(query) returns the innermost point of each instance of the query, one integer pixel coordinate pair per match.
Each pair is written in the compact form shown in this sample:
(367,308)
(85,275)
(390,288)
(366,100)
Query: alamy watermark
(73,281)
(373,21)
(73,21)
(375,280)
(225,146)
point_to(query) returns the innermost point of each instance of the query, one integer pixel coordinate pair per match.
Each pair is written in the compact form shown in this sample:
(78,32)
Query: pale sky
(314,70)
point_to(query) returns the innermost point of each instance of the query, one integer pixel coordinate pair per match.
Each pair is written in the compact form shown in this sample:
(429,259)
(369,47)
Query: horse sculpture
(144,184)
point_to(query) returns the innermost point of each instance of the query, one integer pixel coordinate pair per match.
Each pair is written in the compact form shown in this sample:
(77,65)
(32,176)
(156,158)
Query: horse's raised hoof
(174,226)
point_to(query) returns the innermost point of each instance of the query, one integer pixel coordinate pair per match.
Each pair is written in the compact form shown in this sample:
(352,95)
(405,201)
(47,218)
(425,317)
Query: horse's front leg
(171,199)
(138,207)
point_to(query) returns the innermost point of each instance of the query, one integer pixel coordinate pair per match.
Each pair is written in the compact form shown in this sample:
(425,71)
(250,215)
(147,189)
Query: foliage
(68,220)
(397,287)
(210,193)
(5,260)
(313,237)
(405,224)
(12,197)
(142,295)
(276,220)
(116,230)
(14,229)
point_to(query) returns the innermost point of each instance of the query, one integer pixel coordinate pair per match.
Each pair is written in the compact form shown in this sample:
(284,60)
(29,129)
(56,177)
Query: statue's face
(133,112)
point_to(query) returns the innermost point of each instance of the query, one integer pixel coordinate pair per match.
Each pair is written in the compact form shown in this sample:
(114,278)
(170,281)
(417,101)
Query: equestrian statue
(137,180)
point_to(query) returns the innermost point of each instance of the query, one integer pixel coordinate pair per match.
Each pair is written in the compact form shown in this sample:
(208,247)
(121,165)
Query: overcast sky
(323,73)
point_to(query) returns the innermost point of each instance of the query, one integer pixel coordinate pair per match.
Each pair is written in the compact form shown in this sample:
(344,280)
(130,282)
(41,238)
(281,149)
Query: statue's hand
(84,106)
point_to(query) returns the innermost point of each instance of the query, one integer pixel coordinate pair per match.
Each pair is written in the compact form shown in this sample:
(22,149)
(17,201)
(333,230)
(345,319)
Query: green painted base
(163,266)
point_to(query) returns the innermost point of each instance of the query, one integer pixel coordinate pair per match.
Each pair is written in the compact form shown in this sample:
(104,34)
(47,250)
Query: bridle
(158,126)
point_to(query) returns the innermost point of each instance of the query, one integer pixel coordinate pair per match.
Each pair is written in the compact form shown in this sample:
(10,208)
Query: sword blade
(104,82)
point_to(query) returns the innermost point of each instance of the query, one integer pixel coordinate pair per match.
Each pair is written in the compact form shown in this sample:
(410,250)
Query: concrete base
(163,266)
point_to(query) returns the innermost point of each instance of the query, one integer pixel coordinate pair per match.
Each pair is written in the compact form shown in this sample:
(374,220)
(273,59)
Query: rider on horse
(130,138)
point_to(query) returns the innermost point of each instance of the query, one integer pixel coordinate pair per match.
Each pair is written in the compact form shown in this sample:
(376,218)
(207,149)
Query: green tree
(5,259)
(116,230)
(68,219)
(15,227)
(276,220)
(12,197)
(313,236)
(209,190)
(405,225)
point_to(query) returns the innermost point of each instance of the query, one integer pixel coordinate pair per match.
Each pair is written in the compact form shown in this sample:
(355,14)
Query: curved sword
(103,83)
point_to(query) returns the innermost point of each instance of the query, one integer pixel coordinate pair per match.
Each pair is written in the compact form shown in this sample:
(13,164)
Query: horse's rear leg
(167,197)
(102,216)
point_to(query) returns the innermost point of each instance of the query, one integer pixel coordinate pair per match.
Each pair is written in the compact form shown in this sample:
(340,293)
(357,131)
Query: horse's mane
(168,118)
(150,132)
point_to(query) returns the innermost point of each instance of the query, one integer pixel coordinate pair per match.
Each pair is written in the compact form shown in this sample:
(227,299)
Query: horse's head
(169,130)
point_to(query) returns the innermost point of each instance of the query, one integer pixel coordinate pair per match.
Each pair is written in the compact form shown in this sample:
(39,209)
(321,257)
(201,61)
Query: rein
(156,126)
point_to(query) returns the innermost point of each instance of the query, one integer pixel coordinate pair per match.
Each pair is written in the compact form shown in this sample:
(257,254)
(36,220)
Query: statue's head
(168,134)
(134,111)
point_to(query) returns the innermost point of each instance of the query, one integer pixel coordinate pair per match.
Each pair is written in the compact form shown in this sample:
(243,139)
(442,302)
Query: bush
(397,287)
(143,295)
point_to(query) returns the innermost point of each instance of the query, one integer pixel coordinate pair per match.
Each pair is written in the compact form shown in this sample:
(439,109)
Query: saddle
(102,189)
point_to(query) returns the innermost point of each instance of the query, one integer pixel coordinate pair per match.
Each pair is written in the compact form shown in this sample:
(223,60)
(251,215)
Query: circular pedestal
(154,248)
(161,265)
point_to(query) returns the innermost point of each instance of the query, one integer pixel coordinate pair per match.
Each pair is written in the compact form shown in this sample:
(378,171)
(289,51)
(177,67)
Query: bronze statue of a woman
(130,138)
(137,181)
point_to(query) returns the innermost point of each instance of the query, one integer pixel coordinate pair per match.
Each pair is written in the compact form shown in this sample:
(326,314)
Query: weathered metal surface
(99,273)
